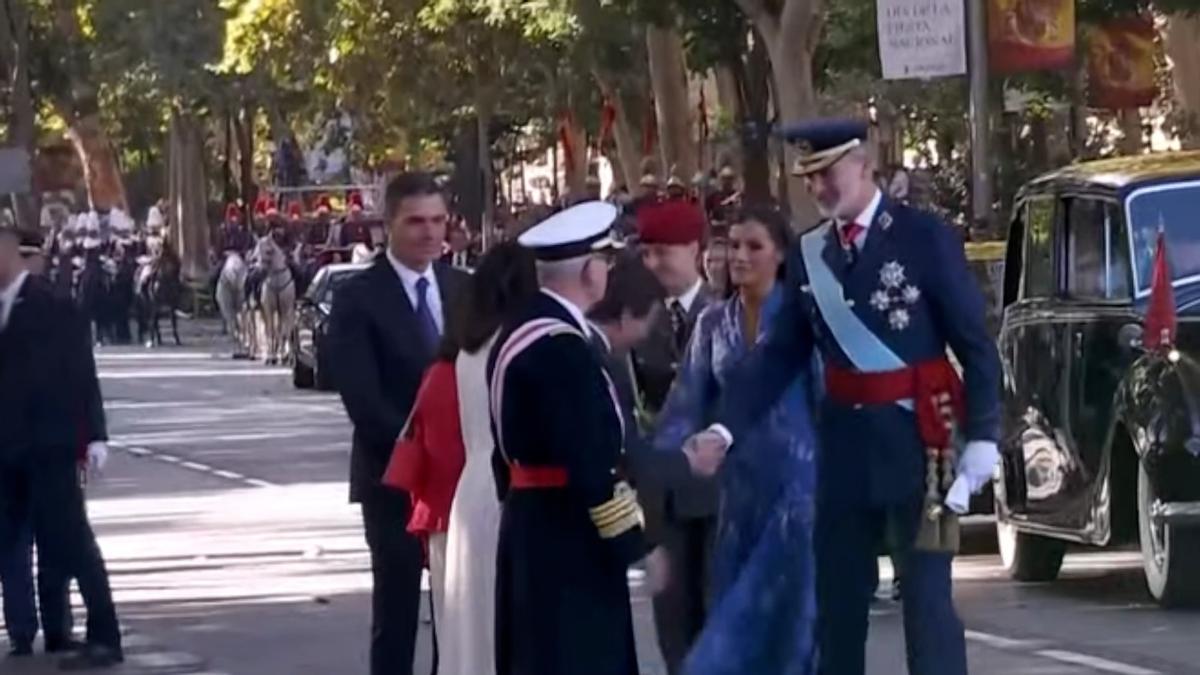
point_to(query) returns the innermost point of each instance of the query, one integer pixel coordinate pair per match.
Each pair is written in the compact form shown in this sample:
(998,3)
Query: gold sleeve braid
(619,514)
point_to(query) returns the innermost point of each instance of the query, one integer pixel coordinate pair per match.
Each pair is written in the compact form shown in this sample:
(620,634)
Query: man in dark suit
(670,234)
(460,256)
(384,331)
(48,376)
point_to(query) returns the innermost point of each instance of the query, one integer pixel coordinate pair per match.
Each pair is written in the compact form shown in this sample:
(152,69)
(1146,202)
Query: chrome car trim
(1175,513)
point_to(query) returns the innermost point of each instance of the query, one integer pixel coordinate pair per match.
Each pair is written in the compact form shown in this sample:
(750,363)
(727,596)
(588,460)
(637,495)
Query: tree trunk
(106,189)
(1131,131)
(188,199)
(575,164)
(791,30)
(14,53)
(1183,48)
(487,197)
(243,127)
(625,135)
(668,78)
(81,110)
(752,79)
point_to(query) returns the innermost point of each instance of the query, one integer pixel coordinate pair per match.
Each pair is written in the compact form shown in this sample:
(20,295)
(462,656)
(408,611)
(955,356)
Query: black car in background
(1101,437)
(309,358)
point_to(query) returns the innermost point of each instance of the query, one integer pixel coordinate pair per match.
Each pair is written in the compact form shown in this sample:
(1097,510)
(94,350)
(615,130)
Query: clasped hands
(705,452)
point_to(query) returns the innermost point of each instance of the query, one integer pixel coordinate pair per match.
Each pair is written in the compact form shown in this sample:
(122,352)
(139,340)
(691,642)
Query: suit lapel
(391,289)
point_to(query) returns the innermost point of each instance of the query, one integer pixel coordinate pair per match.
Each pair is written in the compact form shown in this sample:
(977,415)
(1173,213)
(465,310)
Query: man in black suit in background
(670,235)
(49,402)
(384,331)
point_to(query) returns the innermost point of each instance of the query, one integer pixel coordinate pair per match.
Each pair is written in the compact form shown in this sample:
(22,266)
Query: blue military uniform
(905,294)
(570,526)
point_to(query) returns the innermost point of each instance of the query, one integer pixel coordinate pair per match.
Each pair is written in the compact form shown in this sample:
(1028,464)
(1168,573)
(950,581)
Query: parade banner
(1029,35)
(1122,72)
(921,38)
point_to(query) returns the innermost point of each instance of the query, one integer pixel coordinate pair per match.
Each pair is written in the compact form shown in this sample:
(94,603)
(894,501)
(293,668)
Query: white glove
(975,469)
(97,456)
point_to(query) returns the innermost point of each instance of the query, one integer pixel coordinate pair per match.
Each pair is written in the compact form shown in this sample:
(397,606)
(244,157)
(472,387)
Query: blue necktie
(428,327)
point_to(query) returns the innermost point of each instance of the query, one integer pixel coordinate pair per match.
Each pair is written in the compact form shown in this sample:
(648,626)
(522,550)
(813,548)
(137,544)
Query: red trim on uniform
(536,477)
(933,386)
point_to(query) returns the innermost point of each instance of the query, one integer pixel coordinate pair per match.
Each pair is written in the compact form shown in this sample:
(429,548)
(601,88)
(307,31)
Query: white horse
(231,296)
(278,298)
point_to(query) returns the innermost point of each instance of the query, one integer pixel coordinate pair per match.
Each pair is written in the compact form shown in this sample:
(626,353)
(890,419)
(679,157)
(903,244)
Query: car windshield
(1172,207)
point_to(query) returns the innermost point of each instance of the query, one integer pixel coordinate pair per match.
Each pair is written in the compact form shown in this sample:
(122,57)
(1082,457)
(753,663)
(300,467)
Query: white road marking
(191,466)
(177,374)
(1001,642)
(196,466)
(231,475)
(258,483)
(170,459)
(1095,662)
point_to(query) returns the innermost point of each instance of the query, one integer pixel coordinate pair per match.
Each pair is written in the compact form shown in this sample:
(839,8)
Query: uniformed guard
(881,290)
(571,525)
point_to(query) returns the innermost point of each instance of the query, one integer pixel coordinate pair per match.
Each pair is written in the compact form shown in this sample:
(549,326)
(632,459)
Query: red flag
(1160,314)
(608,117)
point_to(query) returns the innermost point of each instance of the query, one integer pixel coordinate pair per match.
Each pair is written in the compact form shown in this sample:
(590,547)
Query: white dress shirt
(866,218)
(8,297)
(433,296)
(688,298)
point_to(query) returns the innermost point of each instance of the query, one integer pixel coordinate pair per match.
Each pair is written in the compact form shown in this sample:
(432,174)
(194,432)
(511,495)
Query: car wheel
(1170,553)
(1028,557)
(302,375)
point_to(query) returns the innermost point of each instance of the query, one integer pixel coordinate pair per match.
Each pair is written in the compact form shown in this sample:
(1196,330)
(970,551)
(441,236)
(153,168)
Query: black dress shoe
(20,649)
(64,646)
(91,657)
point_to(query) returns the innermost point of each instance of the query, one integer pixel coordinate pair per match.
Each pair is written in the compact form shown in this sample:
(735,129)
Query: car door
(1096,304)
(1031,342)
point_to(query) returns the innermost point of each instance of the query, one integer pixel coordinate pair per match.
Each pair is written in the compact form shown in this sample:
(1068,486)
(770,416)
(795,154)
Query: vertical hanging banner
(1029,35)
(1121,64)
(921,38)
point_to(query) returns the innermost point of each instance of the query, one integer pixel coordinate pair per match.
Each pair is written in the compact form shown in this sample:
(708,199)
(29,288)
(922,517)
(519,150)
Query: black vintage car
(309,360)
(1101,438)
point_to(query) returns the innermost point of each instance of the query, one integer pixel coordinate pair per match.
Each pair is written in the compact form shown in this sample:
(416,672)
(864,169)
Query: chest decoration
(895,295)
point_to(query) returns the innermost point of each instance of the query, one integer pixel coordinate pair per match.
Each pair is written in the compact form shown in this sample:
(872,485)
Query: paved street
(223,516)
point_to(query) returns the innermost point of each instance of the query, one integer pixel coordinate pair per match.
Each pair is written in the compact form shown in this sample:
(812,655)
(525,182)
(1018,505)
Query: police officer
(570,524)
(880,290)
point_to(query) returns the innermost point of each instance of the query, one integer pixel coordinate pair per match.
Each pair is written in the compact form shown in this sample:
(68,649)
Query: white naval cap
(572,233)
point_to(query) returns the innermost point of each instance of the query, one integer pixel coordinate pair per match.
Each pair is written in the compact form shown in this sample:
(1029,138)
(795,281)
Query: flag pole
(977,70)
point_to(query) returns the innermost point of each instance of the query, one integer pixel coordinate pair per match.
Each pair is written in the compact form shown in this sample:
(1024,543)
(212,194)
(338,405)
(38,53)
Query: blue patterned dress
(763,609)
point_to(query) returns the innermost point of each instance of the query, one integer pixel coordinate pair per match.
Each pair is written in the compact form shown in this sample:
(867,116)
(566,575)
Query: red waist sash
(536,477)
(933,386)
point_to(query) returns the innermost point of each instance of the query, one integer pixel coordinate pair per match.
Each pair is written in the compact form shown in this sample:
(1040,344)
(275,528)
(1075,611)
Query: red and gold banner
(1122,71)
(1026,35)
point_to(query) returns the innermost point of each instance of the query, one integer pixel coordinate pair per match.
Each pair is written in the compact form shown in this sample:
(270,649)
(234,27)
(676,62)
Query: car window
(317,287)
(1012,256)
(1097,264)
(332,284)
(1173,208)
(1039,248)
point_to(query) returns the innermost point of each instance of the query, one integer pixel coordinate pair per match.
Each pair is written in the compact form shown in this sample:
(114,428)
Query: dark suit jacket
(49,393)
(378,361)
(656,363)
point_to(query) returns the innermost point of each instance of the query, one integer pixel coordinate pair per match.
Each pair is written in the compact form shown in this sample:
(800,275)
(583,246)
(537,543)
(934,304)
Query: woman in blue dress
(763,606)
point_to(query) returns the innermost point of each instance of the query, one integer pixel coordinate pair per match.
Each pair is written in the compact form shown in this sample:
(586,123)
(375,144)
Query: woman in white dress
(466,630)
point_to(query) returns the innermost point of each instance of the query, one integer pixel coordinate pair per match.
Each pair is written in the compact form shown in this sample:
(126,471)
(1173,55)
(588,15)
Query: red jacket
(428,458)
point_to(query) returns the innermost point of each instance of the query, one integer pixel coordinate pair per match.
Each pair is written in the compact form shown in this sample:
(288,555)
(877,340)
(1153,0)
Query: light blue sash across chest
(866,351)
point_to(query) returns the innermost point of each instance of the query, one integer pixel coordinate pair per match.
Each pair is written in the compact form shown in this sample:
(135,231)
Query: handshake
(705,452)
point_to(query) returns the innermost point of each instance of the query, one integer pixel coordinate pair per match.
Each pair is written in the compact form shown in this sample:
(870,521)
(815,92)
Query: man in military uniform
(721,204)
(880,290)
(570,526)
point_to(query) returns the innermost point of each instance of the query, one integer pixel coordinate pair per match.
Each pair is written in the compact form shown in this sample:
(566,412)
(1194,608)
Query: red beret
(670,222)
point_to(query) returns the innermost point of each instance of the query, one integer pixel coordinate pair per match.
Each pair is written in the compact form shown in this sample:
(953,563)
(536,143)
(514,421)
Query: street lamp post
(977,69)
